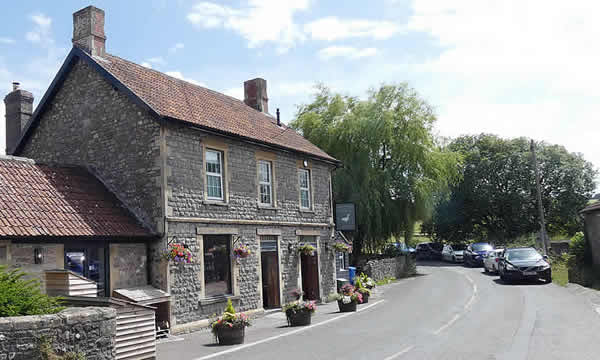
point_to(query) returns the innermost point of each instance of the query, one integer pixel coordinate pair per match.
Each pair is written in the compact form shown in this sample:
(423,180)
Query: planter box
(301,318)
(365,298)
(230,336)
(347,307)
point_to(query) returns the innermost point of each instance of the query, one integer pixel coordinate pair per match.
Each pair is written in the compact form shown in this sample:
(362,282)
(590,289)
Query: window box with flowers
(230,328)
(348,298)
(178,254)
(341,247)
(299,313)
(307,249)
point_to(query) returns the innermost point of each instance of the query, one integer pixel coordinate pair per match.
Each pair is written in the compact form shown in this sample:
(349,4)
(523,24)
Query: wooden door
(270,279)
(310,276)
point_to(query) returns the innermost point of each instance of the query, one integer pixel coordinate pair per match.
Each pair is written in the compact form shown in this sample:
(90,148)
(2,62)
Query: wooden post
(543,234)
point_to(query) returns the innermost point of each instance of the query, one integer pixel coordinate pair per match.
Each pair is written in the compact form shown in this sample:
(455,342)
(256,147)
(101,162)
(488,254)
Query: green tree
(495,200)
(19,296)
(392,164)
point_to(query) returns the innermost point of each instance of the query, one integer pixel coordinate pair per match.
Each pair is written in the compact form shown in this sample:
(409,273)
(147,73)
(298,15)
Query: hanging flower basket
(307,249)
(178,254)
(241,252)
(341,247)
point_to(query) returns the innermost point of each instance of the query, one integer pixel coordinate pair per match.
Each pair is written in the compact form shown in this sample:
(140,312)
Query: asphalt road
(448,312)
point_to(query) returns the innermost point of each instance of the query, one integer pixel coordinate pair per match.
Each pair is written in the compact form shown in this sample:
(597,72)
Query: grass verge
(387,280)
(560,273)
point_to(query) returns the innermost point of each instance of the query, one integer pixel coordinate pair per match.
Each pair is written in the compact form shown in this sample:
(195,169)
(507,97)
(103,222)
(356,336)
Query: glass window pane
(96,269)
(213,186)
(217,274)
(303,178)
(213,161)
(264,171)
(304,201)
(265,194)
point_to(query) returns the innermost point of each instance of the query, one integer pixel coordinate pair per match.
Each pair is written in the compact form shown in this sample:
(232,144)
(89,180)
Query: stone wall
(397,267)
(186,282)
(88,330)
(128,265)
(21,255)
(592,234)
(91,124)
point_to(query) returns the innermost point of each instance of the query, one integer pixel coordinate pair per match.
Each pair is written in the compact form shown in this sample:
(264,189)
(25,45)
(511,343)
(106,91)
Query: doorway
(91,263)
(270,271)
(309,266)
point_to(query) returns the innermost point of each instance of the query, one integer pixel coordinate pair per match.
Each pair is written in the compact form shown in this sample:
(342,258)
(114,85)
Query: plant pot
(365,298)
(300,318)
(351,306)
(231,336)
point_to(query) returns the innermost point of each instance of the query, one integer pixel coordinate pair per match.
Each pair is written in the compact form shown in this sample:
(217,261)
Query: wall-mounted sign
(345,217)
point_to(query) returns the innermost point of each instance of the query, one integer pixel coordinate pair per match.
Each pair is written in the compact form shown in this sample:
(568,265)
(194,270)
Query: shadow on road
(520,282)
(435,263)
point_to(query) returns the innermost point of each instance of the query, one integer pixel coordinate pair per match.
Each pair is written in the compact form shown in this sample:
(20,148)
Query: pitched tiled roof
(178,99)
(593,207)
(38,200)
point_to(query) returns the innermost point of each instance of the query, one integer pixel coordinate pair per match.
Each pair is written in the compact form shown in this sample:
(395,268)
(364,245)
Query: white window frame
(307,189)
(219,175)
(266,183)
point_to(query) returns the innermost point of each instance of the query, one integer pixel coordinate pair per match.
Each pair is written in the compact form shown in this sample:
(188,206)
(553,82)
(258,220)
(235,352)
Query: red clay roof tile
(80,204)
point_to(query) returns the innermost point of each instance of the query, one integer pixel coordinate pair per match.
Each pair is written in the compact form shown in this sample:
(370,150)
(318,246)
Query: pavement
(446,312)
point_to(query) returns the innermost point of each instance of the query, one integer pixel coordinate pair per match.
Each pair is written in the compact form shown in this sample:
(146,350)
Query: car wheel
(504,279)
(453,258)
(548,277)
(485,269)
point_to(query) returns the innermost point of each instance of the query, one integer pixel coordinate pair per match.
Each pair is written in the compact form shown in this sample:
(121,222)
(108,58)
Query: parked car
(524,264)
(397,248)
(491,260)
(430,251)
(473,255)
(453,253)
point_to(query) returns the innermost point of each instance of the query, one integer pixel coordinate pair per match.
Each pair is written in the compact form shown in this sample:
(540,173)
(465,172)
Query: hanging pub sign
(345,217)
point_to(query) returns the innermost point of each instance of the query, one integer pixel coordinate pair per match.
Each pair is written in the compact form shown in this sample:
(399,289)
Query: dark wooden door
(310,276)
(270,279)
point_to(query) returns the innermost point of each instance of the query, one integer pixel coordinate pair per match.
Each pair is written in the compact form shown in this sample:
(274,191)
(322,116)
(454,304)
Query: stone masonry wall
(88,330)
(398,267)
(91,124)
(22,257)
(186,304)
(128,265)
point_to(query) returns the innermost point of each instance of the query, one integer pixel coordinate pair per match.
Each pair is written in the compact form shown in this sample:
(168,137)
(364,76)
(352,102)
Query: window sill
(217,299)
(266,207)
(215,202)
(308,211)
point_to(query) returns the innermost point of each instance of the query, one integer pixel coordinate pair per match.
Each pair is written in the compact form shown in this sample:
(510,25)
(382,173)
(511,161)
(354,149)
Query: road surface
(447,312)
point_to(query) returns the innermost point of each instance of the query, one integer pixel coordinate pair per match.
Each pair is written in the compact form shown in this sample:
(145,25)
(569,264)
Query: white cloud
(515,68)
(146,64)
(6,40)
(236,92)
(333,28)
(179,75)
(259,22)
(348,52)
(41,30)
(178,46)
(158,60)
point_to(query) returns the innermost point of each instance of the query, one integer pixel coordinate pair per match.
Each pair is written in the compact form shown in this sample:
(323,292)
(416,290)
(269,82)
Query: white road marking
(275,337)
(465,308)
(400,353)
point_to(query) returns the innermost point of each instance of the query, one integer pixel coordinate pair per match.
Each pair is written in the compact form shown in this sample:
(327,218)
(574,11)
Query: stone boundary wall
(90,330)
(398,267)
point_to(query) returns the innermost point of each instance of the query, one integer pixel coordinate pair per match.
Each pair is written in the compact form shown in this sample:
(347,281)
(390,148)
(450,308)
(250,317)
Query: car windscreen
(482,247)
(522,254)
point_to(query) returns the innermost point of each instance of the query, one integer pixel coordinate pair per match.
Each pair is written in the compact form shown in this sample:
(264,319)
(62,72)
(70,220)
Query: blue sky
(507,67)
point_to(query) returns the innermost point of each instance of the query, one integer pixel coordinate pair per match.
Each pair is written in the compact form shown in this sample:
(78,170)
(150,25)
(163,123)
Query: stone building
(195,167)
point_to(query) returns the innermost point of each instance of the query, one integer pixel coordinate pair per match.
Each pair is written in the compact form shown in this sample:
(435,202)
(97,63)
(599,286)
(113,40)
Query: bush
(47,352)
(19,296)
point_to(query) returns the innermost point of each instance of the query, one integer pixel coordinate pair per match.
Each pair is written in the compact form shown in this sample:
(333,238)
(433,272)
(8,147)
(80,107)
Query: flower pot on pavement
(349,307)
(299,318)
(365,298)
(231,336)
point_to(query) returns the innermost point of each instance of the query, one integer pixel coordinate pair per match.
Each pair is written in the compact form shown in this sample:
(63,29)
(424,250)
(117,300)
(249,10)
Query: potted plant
(299,313)
(359,286)
(367,281)
(341,247)
(307,249)
(229,329)
(348,298)
(178,254)
(241,251)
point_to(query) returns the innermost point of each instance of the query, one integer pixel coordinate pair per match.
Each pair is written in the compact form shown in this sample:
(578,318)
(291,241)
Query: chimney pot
(278,118)
(19,107)
(255,94)
(88,30)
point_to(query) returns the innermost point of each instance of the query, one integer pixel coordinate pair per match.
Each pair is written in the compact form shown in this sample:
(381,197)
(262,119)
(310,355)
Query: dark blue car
(473,255)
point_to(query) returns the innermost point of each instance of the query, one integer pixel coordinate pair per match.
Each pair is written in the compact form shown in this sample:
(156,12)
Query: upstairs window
(265,182)
(304,181)
(214,175)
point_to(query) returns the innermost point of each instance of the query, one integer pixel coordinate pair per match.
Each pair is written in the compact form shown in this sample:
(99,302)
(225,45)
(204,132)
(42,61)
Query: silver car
(491,260)
(453,253)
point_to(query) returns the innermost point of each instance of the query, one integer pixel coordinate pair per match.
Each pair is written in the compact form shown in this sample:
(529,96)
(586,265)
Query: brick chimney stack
(255,94)
(19,107)
(88,30)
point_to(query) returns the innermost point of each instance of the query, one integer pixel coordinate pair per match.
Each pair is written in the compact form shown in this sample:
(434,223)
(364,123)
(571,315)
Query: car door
(445,252)
(489,260)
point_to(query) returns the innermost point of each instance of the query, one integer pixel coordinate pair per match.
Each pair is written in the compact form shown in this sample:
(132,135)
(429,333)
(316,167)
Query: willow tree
(392,163)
